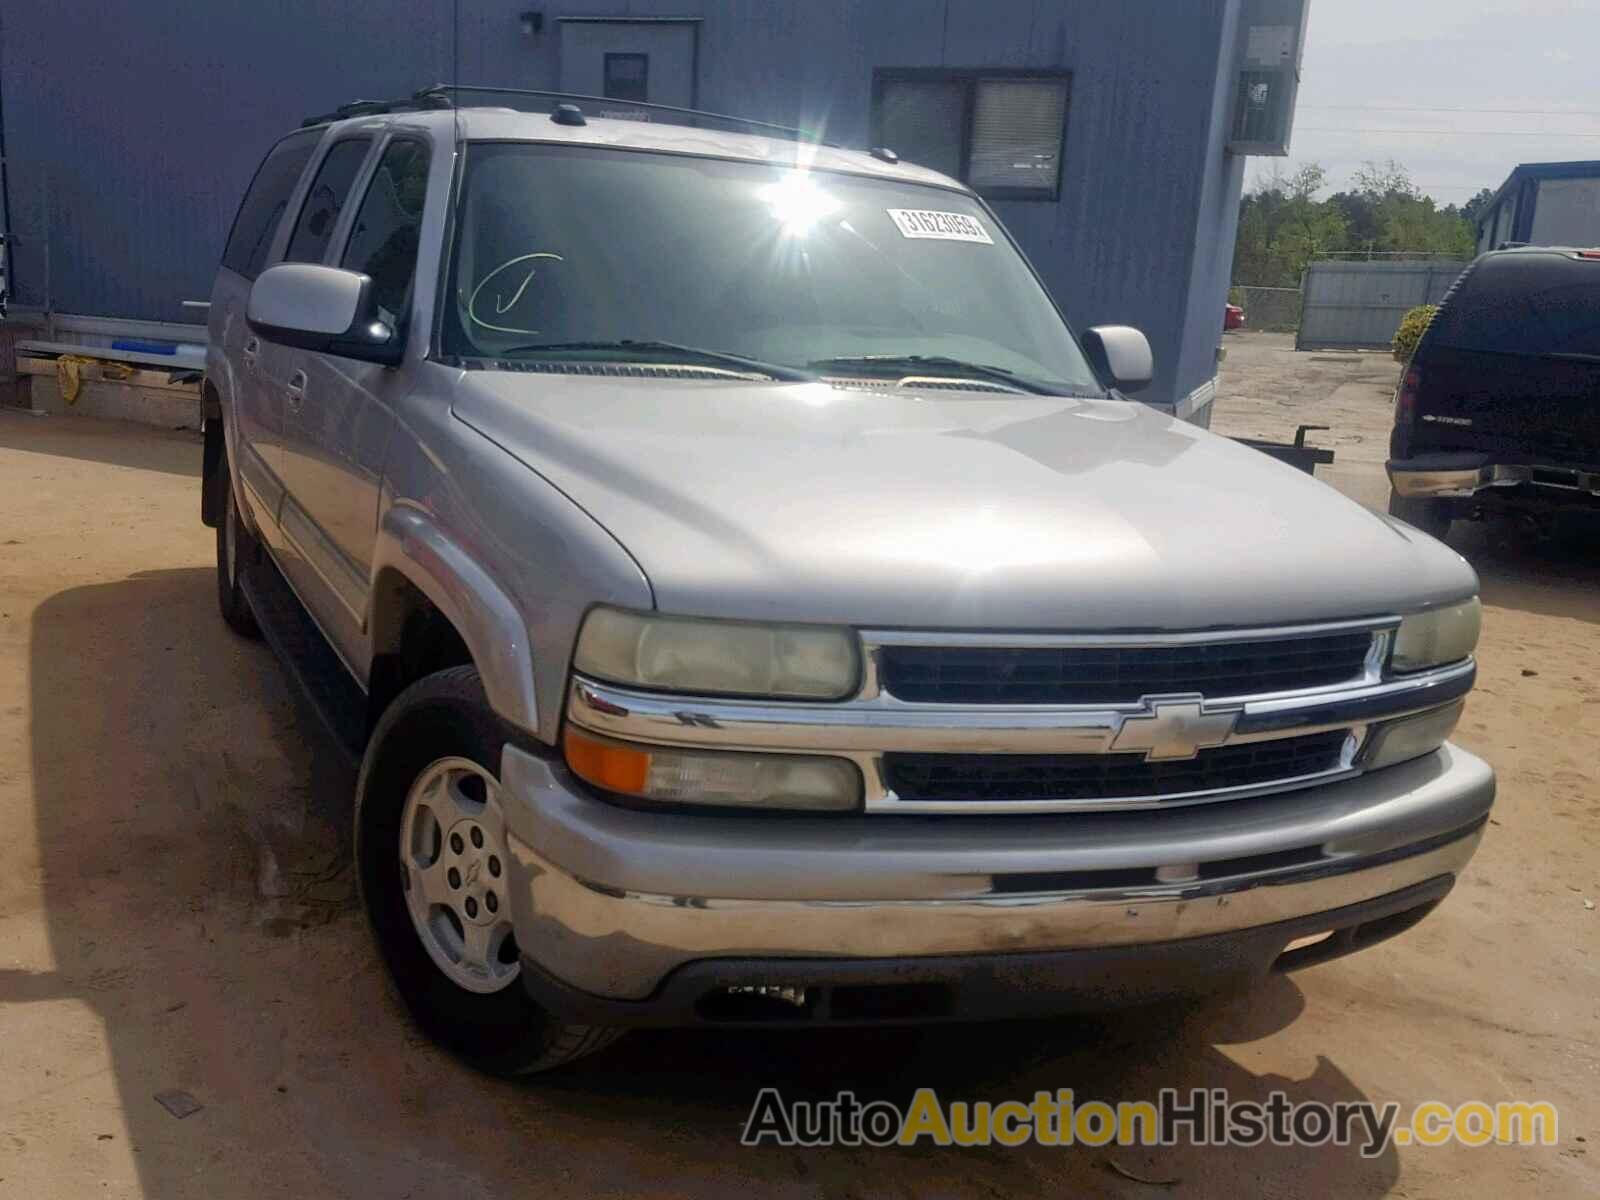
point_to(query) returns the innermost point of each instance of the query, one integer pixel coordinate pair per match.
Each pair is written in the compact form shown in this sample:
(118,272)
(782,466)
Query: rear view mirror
(1121,355)
(323,309)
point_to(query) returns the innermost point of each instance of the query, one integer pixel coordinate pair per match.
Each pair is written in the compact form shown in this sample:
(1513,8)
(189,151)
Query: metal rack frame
(447,96)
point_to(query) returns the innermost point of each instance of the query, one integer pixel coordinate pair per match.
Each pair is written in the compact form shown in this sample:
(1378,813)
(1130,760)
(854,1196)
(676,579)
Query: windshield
(560,244)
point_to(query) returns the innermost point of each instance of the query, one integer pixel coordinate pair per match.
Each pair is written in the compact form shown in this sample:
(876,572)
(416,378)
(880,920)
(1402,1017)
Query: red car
(1232,317)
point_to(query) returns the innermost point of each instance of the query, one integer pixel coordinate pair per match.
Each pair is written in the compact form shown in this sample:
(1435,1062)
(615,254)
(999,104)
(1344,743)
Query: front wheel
(1429,515)
(433,864)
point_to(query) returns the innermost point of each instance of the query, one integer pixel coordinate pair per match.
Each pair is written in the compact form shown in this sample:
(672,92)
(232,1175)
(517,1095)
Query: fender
(412,545)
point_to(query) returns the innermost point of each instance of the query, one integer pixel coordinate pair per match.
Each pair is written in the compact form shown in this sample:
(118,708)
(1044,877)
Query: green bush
(1412,327)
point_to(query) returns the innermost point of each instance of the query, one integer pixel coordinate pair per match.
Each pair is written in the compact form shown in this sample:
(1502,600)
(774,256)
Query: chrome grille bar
(874,724)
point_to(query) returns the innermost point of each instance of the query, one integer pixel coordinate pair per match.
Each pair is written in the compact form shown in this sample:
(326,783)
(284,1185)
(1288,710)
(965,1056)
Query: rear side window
(326,199)
(383,240)
(264,203)
(1524,304)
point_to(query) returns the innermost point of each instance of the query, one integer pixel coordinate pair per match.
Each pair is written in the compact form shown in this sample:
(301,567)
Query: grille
(1118,674)
(1014,777)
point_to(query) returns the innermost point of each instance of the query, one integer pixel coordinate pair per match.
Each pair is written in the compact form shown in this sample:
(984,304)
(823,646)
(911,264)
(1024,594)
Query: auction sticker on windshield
(943,226)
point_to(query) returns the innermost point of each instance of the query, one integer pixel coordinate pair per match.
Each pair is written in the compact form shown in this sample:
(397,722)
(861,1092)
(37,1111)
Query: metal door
(339,412)
(649,61)
(239,356)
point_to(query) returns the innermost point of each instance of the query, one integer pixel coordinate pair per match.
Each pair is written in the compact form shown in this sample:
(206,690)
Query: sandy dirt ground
(177,914)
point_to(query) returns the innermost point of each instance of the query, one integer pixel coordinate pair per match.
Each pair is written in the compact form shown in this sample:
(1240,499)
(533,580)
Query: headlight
(1430,639)
(678,654)
(1410,737)
(710,777)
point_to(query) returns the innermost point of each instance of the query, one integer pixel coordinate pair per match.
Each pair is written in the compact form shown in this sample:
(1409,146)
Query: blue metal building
(1544,204)
(1109,137)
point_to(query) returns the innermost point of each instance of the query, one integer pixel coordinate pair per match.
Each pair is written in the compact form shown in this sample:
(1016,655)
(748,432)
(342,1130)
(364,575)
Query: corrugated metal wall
(134,127)
(1359,305)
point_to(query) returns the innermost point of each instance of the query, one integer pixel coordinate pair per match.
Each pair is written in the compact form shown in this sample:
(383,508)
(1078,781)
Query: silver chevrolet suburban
(751,604)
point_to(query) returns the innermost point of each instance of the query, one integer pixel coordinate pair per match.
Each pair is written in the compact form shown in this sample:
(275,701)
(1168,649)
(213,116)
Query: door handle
(295,391)
(252,348)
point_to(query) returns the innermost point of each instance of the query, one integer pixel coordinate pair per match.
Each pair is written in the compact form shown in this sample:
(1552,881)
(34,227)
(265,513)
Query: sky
(1458,91)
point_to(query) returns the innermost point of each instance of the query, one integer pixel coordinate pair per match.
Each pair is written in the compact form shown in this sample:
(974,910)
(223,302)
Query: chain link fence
(1274,309)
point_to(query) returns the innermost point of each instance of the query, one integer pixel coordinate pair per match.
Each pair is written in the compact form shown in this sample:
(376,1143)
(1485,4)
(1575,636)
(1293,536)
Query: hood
(966,510)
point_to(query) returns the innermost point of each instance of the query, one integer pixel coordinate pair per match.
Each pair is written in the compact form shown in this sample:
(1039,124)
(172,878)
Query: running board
(338,702)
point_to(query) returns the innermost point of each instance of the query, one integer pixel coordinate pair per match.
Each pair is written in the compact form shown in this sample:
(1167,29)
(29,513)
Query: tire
(235,546)
(1430,516)
(441,731)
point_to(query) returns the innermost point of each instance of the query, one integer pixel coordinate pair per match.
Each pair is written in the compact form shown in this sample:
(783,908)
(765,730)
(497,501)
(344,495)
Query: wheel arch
(433,606)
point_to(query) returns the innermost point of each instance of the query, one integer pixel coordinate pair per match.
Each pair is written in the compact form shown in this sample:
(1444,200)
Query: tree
(1283,226)
(1306,181)
(1384,181)
(1406,220)
(1360,217)
(1474,208)
(1309,232)
(1252,255)
(1415,224)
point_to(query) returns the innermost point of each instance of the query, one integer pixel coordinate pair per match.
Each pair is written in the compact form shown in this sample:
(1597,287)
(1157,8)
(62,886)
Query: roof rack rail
(368,108)
(448,92)
(448,95)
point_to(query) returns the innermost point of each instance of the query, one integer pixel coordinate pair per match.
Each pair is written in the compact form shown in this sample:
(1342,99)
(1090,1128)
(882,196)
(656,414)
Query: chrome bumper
(1444,480)
(611,900)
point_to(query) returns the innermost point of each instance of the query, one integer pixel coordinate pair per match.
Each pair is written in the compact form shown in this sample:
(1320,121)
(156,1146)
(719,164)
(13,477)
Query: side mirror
(1121,356)
(323,309)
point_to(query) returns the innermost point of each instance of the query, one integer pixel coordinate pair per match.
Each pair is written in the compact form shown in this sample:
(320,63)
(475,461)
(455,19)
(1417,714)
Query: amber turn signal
(712,778)
(605,764)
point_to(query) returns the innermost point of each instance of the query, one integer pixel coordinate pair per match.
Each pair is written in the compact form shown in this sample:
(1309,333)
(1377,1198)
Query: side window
(264,202)
(1017,127)
(1001,132)
(924,122)
(383,240)
(329,190)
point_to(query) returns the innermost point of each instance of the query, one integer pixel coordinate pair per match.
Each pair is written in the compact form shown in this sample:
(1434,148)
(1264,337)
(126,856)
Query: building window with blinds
(1001,132)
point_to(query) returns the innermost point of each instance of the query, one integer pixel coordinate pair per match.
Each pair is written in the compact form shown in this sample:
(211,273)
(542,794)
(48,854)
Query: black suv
(1498,412)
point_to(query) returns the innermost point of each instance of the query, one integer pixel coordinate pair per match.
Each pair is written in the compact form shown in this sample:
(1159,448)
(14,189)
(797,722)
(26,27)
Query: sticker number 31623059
(942,226)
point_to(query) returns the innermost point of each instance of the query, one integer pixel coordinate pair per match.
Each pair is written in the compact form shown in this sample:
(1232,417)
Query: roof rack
(421,101)
(448,95)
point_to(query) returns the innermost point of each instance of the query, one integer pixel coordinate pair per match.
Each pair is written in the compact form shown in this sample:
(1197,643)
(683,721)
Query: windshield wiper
(692,353)
(1576,356)
(903,363)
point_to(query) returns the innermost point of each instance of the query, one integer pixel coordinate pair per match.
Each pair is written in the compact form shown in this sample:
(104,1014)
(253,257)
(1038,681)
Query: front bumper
(619,906)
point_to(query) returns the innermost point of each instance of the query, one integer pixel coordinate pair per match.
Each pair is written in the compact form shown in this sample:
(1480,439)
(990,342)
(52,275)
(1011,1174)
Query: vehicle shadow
(193,826)
(1553,576)
(95,439)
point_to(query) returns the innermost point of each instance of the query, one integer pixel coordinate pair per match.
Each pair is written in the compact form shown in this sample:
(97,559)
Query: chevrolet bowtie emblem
(1176,727)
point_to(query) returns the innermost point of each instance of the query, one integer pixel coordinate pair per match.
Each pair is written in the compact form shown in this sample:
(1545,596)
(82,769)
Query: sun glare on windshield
(798,203)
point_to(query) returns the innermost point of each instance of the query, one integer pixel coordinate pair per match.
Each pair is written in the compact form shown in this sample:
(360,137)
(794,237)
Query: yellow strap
(70,376)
